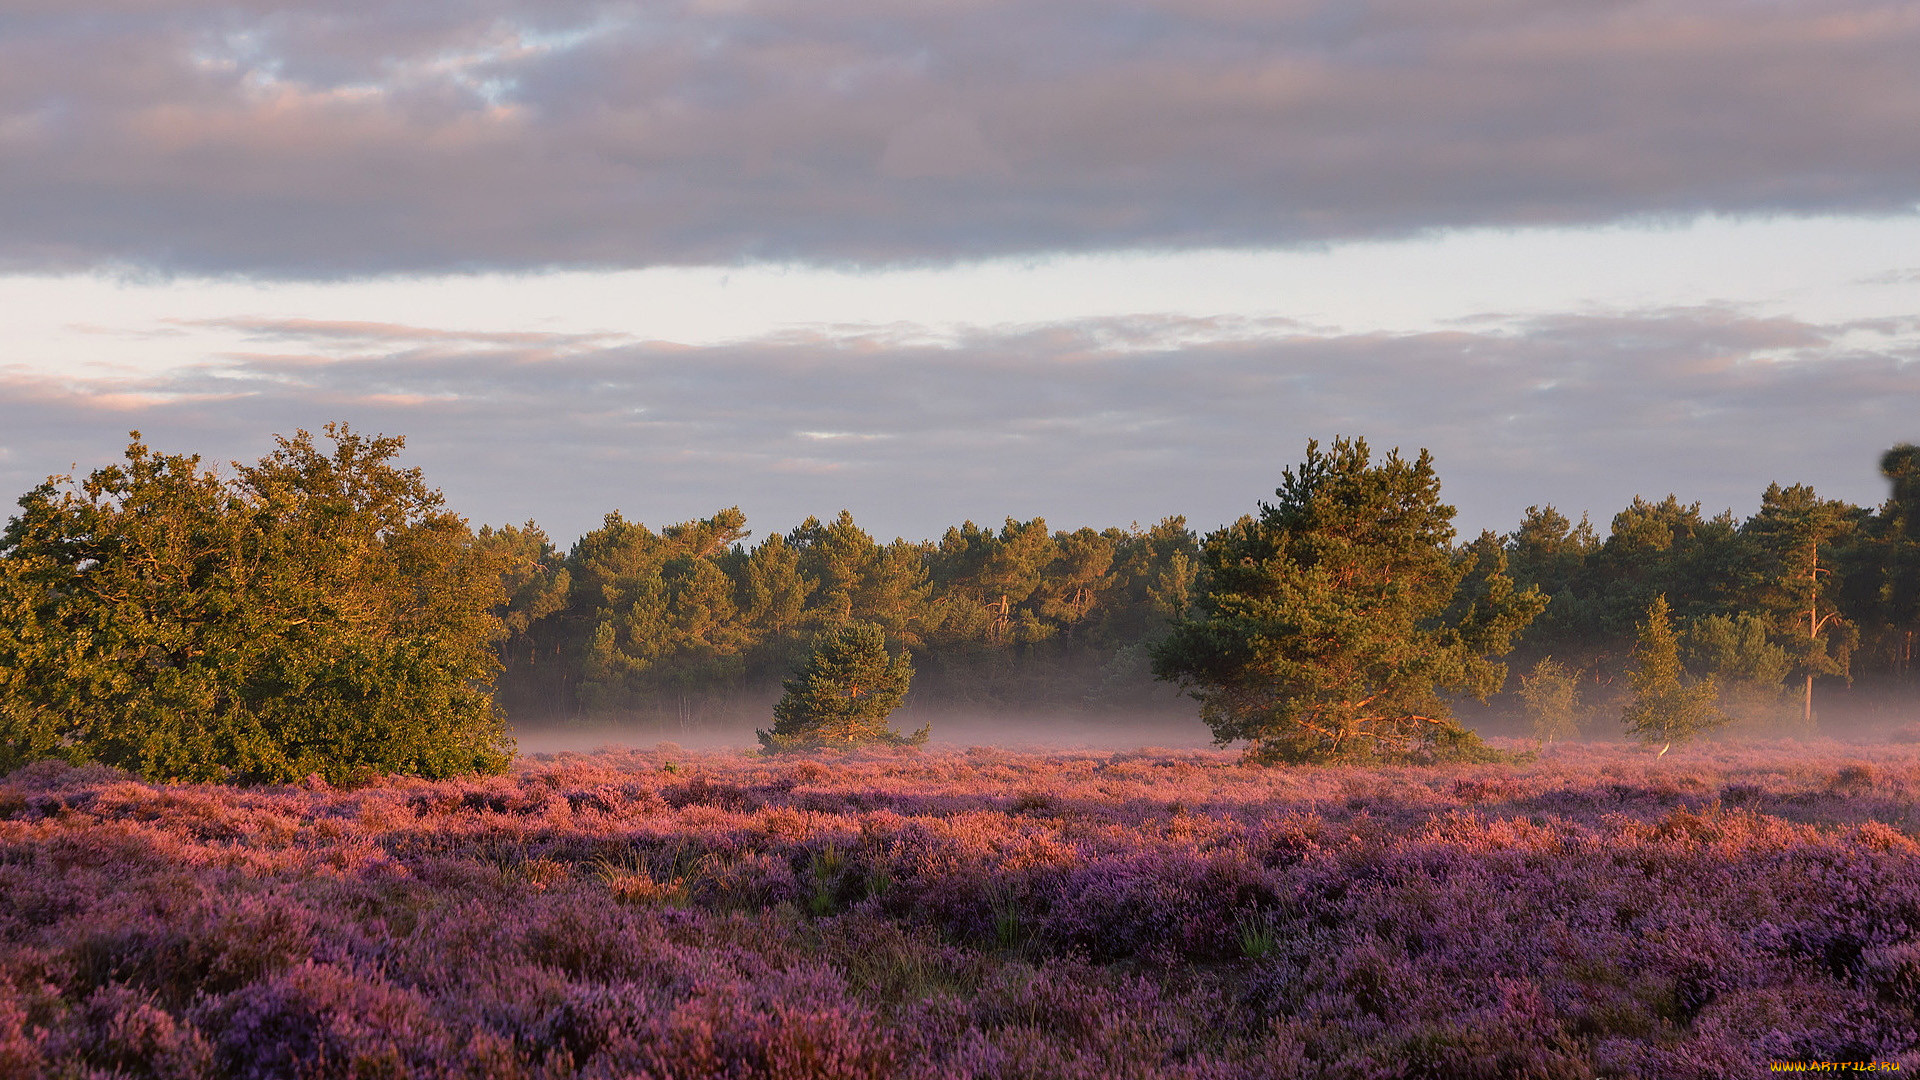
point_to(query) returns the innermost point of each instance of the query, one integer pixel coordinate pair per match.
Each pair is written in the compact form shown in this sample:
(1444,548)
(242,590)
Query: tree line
(697,617)
(322,611)
(1809,598)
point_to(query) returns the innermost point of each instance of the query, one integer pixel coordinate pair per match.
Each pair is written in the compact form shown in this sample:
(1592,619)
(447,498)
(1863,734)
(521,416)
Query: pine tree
(1795,586)
(1334,625)
(1667,706)
(842,693)
(653,618)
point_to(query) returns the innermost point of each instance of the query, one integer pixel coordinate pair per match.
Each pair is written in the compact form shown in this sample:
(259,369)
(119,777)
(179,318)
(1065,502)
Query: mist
(1169,725)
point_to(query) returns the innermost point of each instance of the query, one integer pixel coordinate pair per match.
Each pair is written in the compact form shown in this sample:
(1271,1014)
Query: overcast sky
(1099,262)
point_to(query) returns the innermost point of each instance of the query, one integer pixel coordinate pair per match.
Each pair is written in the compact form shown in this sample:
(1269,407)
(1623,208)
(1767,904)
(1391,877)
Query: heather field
(972,913)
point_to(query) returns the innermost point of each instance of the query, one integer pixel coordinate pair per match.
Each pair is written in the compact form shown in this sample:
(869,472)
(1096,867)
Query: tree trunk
(1813,626)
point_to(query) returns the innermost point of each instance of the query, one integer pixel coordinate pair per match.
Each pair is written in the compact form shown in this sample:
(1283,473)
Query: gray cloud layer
(346,136)
(1086,423)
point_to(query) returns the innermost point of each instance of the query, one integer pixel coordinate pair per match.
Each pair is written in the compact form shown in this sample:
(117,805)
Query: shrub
(1551,695)
(1598,916)
(314,613)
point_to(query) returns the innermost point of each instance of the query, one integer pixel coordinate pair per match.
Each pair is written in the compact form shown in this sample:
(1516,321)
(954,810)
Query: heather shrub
(633,880)
(177,950)
(1854,779)
(1164,914)
(747,882)
(1894,973)
(321,1020)
(122,1033)
(21,1053)
(794,1025)
(1159,904)
(900,964)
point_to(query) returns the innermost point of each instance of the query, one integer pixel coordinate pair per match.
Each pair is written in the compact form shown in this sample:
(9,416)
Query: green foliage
(1256,934)
(842,694)
(1882,589)
(1552,553)
(1551,693)
(1792,581)
(1667,707)
(653,612)
(1331,626)
(1666,548)
(535,579)
(689,616)
(1736,648)
(315,613)
(633,621)
(1749,669)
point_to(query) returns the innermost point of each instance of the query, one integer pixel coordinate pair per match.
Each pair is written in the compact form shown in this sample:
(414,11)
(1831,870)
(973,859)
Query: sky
(1097,262)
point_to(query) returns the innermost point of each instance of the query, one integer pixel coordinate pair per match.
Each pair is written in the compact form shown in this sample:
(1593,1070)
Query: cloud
(1893,277)
(1088,422)
(343,337)
(315,139)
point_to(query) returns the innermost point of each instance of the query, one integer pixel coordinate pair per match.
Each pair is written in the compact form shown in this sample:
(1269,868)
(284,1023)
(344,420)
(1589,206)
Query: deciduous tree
(1667,706)
(317,612)
(1550,694)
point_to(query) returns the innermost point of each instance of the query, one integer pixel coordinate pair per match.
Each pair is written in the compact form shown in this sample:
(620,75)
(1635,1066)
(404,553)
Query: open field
(1142,913)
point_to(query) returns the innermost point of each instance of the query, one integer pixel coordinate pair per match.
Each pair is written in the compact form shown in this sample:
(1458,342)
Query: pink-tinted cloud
(1084,423)
(335,138)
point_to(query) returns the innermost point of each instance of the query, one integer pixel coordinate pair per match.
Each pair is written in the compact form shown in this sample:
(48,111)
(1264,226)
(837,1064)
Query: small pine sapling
(842,694)
(1667,706)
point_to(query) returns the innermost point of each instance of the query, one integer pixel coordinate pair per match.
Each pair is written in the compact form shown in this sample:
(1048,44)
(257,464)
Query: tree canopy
(314,613)
(1335,624)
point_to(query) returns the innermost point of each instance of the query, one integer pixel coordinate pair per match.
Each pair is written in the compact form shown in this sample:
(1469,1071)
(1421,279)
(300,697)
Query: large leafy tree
(843,692)
(315,613)
(1336,623)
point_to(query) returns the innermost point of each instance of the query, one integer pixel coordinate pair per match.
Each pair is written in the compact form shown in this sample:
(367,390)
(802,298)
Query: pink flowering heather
(904,913)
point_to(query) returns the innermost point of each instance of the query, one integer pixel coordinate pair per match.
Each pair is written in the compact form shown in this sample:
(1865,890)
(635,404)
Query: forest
(324,612)
(1809,600)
